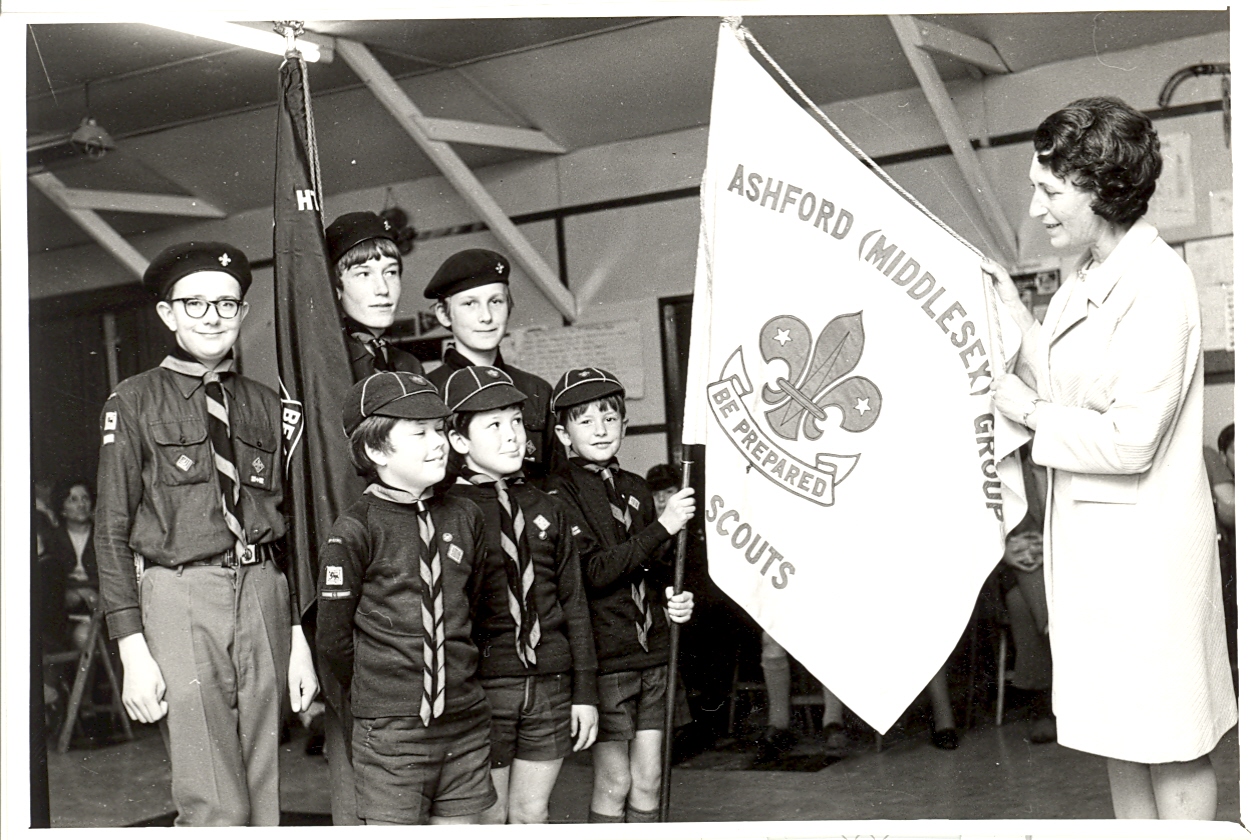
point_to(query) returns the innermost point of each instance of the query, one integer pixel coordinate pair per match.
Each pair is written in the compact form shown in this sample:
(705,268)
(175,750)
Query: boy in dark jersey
(531,621)
(397,576)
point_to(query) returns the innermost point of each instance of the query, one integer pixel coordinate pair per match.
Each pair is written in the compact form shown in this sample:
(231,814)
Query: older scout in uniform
(530,620)
(188,541)
(472,299)
(396,582)
(367,270)
(622,543)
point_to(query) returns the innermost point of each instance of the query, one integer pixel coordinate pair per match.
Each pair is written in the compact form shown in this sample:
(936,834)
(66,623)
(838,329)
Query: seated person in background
(44,503)
(73,543)
(778,739)
(1020,578)
(1220,467)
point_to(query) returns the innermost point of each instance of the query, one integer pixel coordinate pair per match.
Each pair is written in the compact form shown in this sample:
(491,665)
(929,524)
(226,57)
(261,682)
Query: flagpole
(675,631)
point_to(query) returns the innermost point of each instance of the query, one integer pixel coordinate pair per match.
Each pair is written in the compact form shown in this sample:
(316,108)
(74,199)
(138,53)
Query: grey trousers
(222,639)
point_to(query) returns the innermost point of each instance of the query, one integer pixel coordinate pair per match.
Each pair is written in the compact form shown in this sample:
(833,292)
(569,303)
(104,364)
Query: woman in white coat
(1111,383)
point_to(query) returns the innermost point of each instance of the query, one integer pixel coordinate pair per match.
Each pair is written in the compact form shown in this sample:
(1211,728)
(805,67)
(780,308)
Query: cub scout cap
(177,261)
(351,229)
(480,388)
(582,385)
(407,396)
(467,270)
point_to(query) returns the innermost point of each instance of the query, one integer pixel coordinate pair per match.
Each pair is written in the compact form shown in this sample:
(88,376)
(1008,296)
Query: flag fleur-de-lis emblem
(816,376)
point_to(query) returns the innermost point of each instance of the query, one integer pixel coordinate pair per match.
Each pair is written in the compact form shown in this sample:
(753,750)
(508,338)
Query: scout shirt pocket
(256,456)
(182,450)
(534,418)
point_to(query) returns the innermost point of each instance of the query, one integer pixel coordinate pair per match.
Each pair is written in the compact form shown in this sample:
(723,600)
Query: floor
(995,774)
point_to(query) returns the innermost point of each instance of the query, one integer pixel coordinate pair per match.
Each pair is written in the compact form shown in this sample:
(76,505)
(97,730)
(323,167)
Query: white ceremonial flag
(839,375)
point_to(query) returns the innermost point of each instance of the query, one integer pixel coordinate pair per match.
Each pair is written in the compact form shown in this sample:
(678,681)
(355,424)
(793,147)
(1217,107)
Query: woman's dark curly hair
(1107,148)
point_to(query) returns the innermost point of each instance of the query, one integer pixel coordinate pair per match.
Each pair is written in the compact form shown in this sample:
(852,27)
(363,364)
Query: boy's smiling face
(210,337)
(494,443)
(477,317)
(418,456)
(596,434)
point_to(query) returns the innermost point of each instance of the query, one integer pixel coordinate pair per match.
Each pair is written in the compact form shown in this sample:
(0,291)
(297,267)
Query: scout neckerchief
(218,421)
(377,347)
(433,658)
(519,567)
(621,513)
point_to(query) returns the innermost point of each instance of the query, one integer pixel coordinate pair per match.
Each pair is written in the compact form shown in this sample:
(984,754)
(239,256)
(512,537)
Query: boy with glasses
(188,540)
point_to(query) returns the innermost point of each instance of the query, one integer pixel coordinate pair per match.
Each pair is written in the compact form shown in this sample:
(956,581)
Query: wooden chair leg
(971,695)
(115,701)
(1001,676)
(85,662)
(729,727)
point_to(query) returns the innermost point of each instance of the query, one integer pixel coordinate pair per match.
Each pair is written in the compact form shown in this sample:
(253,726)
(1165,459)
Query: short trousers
(406,772)
(530,717)
(631,701)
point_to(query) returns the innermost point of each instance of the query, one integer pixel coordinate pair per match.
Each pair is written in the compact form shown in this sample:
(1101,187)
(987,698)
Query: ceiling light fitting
(242,36)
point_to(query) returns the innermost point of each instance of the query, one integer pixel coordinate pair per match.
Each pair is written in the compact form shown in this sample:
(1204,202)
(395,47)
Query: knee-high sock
(777,680)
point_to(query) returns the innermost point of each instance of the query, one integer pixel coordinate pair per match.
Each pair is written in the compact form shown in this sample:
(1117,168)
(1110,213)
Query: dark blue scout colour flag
(313,364)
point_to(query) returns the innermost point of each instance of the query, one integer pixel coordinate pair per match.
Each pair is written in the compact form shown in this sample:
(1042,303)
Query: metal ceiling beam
(414,122)
(128,202)
(90,221)
(935,38)
(910,39)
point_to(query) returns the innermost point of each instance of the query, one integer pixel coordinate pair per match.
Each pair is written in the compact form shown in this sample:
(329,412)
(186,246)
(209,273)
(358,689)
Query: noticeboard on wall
(615,346)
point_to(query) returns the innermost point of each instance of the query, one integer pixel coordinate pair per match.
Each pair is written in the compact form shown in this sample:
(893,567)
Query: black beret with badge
(467,270)
(407,396)
(480,388)
(351,229)
(582,385)
(177,261)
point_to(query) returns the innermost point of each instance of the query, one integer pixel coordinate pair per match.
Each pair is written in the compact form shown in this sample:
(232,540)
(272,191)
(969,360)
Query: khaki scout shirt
(157,489)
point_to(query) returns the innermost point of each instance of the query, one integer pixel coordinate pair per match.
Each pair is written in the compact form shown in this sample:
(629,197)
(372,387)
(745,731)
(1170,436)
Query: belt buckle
(251,555)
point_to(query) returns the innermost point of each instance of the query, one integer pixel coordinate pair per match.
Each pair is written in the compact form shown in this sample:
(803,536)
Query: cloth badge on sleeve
(541,522)
(258,471)
(107,439)
(110,421)
(334,576)
(634,503)
(575,530)
(455,553)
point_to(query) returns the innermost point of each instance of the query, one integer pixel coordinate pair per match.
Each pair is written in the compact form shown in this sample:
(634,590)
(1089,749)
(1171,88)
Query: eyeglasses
(198,307)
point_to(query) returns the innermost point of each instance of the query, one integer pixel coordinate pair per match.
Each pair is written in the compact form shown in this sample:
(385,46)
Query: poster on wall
(616,346)
(1173,205)
(1212,263)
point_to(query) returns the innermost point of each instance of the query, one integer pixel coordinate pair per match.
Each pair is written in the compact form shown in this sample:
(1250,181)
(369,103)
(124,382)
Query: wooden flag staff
(675,630)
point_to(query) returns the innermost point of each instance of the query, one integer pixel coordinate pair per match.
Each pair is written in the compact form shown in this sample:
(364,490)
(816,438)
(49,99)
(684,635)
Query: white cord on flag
(847,141)
(314,159)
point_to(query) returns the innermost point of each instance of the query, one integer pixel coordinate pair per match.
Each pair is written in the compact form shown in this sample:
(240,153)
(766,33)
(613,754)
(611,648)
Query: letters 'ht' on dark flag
(313,364)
